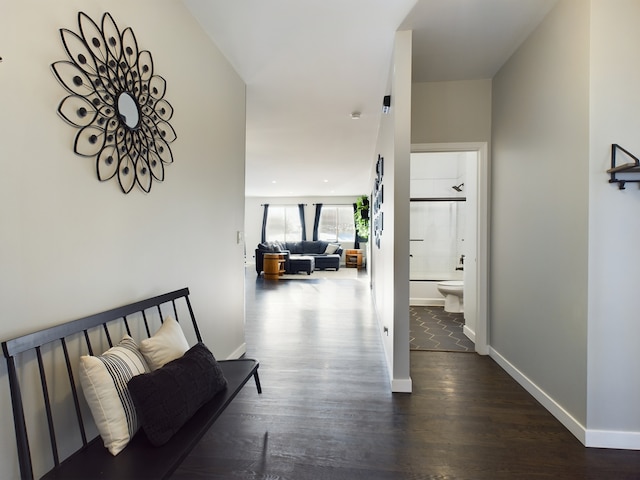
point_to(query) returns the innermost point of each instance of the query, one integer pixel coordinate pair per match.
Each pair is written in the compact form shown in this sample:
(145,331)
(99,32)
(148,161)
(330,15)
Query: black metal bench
(31,356)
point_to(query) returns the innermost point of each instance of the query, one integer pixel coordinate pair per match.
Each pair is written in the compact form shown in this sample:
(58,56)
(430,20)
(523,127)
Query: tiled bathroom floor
(431,328)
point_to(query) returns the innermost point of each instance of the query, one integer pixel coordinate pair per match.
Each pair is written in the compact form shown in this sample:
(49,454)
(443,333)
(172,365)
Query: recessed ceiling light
(326,181)
(355,115)
(273,181)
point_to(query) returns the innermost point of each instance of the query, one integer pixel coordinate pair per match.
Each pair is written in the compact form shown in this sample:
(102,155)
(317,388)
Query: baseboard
(589,438)
(239,352)
(613,439)
(564,417)
(401,385)
(471,335)
(426,302)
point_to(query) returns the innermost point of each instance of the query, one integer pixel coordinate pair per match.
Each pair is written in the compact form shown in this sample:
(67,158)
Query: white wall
(474,242)
(71,245)
(539,232)
(445,112)
(613,383)
(390,262)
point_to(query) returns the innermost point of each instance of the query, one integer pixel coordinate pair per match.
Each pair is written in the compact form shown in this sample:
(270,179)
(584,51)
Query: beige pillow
(331,249)
(167,344)
(104,384)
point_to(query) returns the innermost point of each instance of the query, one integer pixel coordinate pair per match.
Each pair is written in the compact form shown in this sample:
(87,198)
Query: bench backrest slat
(108,335)
(74,391)
(34,341)
(175,312)
(24,452)
(88,341)
(146,323)
(47,406)
(126,324)
(193,318)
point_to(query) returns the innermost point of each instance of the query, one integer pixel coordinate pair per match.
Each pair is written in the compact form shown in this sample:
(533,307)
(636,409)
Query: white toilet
(453,295)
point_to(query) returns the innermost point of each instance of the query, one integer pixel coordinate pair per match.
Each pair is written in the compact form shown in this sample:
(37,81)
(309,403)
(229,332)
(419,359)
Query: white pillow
(104,383)
(331,249)
(167,344)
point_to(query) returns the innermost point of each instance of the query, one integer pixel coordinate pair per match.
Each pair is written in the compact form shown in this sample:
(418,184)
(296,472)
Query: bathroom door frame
(482,234)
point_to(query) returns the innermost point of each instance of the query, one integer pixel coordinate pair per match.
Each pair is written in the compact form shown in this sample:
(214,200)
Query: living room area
(306,236)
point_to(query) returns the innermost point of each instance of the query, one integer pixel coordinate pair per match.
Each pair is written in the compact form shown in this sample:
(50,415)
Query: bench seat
(140,459)
(89,458)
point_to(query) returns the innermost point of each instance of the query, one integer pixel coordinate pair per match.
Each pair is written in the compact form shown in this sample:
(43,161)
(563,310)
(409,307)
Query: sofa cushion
(317,246)
(327,261)
(331,248)
(270,247)
(276,246)
(294,247)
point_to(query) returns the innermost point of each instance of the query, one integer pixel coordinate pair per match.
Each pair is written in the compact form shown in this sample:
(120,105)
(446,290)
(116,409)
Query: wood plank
(625,167)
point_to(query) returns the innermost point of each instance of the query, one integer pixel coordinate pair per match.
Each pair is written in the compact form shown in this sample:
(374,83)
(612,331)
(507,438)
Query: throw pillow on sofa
(314,246)
(270,247)
(331,248)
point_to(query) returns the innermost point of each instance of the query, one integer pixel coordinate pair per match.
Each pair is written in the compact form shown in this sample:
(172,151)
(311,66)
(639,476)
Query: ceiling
(308,64)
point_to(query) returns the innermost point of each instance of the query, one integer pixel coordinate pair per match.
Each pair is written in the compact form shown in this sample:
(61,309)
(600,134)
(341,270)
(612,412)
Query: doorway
(475,234)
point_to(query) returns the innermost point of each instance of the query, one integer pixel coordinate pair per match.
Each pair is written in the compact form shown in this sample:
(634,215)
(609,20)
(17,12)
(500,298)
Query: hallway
(327,411)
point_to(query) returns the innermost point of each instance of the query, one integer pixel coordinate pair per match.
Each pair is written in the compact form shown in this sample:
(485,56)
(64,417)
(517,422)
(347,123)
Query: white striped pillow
(104,383)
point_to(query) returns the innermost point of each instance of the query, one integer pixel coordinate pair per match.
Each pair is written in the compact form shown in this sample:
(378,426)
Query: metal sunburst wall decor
(117,103)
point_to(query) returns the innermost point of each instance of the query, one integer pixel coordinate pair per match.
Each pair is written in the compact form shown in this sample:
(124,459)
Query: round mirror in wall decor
(116,101)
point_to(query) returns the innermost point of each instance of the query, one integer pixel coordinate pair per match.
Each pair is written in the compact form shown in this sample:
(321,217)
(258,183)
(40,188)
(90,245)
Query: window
(336,223)
(283,224)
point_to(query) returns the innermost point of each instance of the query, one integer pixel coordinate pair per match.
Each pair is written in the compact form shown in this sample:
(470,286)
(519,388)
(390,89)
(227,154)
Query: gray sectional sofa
(305,255)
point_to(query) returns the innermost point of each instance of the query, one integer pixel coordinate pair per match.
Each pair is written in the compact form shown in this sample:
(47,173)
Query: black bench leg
(257,379)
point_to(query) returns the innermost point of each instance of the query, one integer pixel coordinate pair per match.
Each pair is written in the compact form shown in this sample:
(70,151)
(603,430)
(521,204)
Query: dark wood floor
(327,412)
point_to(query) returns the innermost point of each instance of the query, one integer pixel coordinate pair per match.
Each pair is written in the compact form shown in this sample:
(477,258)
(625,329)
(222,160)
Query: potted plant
(362,218)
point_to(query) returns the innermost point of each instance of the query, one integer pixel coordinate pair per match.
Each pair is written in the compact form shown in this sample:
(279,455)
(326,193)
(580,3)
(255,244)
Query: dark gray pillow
(296,247)
(314,246)
(169,396)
